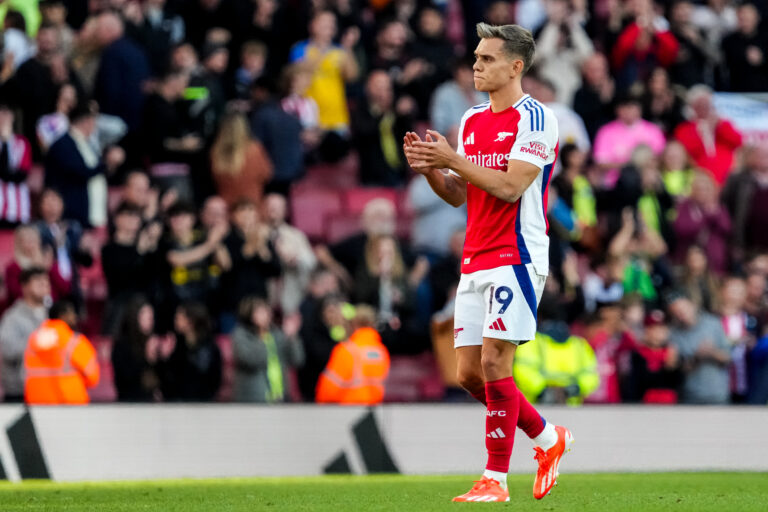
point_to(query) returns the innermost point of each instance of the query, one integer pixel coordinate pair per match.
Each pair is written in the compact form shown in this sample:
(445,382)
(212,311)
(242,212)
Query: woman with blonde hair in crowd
(240,164)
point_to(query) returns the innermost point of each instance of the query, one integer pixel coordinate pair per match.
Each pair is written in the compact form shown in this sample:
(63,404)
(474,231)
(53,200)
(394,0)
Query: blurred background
(214,193)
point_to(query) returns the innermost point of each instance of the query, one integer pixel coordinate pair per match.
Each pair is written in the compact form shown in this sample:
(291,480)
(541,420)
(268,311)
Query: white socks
(548,437)
(498,476)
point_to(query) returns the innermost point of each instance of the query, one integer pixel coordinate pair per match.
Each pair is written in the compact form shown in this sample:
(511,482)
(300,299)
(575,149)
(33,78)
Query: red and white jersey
(498,232)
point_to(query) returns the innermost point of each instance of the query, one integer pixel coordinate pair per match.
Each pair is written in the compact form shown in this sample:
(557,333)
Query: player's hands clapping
(433,153)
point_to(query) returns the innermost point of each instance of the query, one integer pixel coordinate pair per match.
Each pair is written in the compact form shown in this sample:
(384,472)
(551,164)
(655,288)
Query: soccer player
(506,151)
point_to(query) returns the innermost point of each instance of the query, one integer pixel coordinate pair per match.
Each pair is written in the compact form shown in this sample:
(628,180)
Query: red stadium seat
(355,199)
(311,207)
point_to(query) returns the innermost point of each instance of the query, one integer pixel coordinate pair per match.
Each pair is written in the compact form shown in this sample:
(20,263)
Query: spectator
(570,126)
(384,282)
(65,241)
(59,363)
(696,56)
(363,354)
(109,129)
(756,303)
(744,53)
(603,284)
(122,72)
(130,263)
(29,252)
(593,101)
(52,126)
(200,16)
(344,257)
(157,29)
(323,325)
(432,46)
(28,12)
(454,97)
(280,133)
(15,163)
(203,101)
(215,215)
(434,222)
(241,167)
(615,141)
(710,141)
(138,193)
(192,258)
(562,47)
(192,371)
(378,129)
(558,368)
(78,172)
(54,13)
(715,19)
(18,47)
(741,330)
(661,104)
(253,257)
(169,145)
(676,170)
(704,352)
(264,354)
(135,353)
(295,253)
(253,59)
(445,272)
(746,197)
(701,220)
(644,44)
(575,189)
(410,74)
(333,65)
(18,322)
(655,365)
(35,84)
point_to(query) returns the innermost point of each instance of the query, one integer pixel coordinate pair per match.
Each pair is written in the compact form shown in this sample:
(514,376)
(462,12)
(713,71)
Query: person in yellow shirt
(331,65)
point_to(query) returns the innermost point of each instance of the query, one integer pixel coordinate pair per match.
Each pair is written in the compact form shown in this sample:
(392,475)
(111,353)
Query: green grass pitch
(721,492)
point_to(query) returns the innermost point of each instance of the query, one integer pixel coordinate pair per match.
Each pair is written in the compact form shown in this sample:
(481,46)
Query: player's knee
(494,367)
(471,380)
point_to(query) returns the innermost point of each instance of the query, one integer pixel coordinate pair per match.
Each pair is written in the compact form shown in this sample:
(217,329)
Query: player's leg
(503,406)
(469,372)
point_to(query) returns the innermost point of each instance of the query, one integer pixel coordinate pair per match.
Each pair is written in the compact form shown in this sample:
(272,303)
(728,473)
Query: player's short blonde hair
(518,41)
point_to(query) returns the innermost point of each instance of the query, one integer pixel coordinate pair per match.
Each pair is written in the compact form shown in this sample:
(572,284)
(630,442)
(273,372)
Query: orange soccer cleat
(549,461)
(485,490)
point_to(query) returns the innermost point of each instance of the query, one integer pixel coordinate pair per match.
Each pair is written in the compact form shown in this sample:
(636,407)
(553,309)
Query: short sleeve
(537,136)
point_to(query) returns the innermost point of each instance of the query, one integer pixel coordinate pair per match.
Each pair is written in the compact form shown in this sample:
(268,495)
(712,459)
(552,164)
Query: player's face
(493,69)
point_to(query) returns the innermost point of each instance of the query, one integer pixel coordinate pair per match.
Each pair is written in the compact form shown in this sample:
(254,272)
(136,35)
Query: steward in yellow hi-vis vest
(556,368)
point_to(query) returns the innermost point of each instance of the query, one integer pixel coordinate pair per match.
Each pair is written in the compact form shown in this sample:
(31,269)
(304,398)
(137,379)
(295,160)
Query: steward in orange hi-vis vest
(59,364)
(356,371)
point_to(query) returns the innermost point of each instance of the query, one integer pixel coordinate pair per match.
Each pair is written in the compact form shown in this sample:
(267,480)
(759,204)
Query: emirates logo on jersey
(490,160)
(536,149)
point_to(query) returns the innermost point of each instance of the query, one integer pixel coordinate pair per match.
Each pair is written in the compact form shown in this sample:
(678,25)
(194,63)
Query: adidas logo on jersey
(470,140)
(497,434)
(498,325)
(503,135)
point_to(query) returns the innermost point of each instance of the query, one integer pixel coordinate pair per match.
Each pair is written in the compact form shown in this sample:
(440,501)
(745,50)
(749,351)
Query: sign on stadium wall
(748,112)
(123,442)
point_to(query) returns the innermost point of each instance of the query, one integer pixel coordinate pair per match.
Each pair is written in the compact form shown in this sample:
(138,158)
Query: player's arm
(451,188)
(437,153)
(508,186)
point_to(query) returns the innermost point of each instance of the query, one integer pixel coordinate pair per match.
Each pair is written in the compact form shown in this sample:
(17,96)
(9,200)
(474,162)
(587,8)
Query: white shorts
(497,303)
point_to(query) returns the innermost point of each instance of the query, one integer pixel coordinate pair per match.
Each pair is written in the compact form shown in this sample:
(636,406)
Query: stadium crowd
(219,190)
